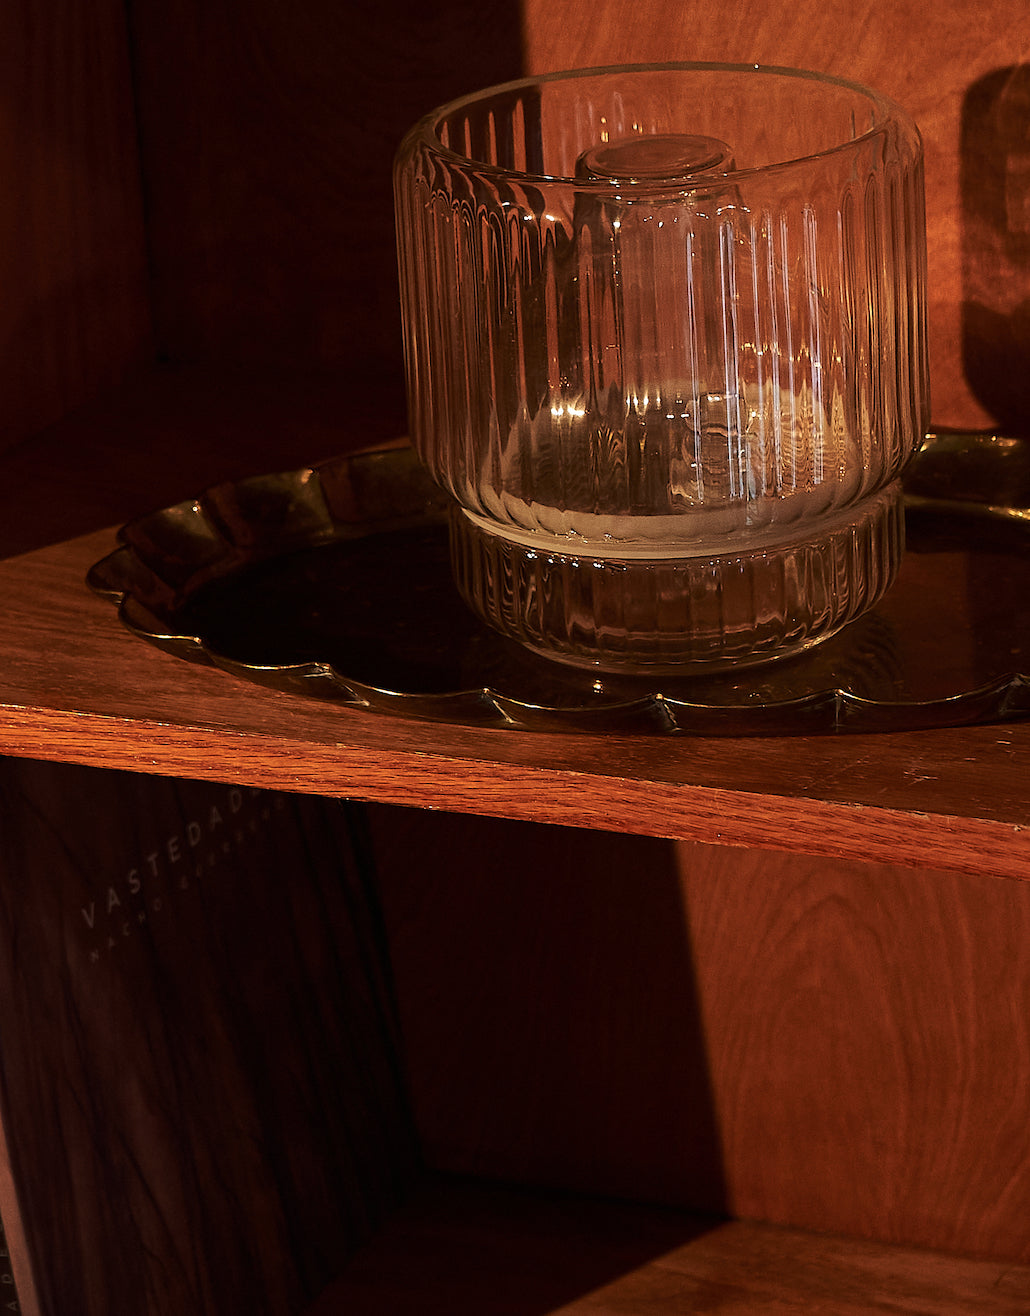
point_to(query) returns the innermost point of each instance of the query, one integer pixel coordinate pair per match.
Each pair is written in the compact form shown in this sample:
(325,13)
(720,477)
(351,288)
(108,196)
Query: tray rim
(120,575)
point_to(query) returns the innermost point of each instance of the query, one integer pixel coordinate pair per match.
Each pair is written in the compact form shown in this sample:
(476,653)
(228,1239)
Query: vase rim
(888,114)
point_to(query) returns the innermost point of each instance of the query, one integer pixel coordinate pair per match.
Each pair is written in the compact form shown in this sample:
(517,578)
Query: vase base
(703,612)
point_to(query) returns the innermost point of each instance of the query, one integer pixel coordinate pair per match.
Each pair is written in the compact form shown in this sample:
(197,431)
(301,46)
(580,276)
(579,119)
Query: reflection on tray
(334,583)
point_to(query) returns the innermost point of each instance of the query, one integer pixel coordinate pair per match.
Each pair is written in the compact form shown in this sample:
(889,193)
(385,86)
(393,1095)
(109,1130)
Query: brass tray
(333,583)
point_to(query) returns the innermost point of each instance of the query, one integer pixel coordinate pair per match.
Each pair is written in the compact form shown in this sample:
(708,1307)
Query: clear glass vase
(665,343)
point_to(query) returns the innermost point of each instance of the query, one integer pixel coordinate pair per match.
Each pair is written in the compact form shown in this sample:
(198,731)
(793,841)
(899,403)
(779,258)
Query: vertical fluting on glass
(667,364)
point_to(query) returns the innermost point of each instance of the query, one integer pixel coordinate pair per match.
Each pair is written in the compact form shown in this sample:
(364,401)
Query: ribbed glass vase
(665,343)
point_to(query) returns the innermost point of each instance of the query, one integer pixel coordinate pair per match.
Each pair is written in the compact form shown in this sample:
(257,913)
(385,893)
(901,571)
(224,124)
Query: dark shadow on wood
(552,1032)
(465,1248)
(167,436)
(995,185)
(267,140)
(266,143)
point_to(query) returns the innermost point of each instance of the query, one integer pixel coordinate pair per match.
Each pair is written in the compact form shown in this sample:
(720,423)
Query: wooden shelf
(75,686)
(838,1044)
(464,1249)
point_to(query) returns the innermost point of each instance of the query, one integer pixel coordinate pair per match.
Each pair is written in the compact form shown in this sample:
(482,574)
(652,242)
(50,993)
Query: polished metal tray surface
(333,582)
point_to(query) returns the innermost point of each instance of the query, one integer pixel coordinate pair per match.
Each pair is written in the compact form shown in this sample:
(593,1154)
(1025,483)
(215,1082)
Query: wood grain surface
(77,686)
(960,70)
(200,1084)
(836,1046)
(74,684)
(465,1249)
(74,317)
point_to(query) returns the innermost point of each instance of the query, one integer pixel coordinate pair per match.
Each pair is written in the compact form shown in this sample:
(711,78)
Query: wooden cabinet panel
(832,1045)
(73,314)
(869,1046)
(200,1092)
(268,134)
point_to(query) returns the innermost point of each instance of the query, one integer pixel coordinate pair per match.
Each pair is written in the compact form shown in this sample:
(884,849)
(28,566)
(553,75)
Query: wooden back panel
(268,134)
(267,139)
(826,1044)
(958,70)
(73,307)
(262,136)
